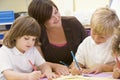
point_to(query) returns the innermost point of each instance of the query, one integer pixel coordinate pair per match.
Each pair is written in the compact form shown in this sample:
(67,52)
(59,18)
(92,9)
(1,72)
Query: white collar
(16,51)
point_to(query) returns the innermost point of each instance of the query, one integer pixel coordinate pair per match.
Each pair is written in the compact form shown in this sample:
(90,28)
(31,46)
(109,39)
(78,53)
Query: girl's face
(99,38)
(25,43)
(55,19)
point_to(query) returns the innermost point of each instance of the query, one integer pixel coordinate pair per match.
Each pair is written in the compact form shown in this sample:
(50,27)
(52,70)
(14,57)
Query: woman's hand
(50,75)
(60,69)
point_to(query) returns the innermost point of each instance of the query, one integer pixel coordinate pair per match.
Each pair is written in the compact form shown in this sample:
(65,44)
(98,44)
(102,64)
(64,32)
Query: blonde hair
(25,25)
(116,41)
(104,21)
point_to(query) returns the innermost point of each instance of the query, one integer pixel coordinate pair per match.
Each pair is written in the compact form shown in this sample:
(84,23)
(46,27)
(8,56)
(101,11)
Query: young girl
(116,53)
(18,54)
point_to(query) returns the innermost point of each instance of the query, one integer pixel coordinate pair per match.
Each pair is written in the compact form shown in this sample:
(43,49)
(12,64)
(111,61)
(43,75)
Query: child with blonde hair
(116,53)
(94,53)
(18,56)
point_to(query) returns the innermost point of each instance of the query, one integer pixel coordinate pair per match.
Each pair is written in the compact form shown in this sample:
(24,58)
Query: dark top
(74,32)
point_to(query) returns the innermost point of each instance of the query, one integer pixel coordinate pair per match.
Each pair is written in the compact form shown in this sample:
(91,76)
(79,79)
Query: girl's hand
(35,75)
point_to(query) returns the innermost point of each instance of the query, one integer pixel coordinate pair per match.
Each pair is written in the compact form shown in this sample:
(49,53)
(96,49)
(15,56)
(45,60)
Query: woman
(59,36)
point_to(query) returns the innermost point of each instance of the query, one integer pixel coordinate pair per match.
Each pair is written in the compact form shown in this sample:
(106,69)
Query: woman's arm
(45,68)
(59,69)
(47,71)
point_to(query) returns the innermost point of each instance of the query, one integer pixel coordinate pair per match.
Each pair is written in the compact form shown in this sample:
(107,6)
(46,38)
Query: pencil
(64,63)
(117,61)
(75,60)
(34,68)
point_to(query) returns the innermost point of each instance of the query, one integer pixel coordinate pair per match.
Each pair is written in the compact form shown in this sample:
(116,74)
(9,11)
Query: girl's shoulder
(33,50)
(4,50)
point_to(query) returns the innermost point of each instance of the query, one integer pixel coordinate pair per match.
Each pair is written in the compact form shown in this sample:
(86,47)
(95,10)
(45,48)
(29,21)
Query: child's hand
(116,73)
(35,75)
(95,70)
(75,71)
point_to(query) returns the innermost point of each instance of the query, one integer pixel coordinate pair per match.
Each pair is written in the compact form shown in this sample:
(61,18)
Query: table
(100,76)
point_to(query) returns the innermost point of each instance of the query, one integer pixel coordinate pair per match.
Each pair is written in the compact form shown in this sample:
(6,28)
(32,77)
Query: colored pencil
(64,63)
(75,60)
(117,61)
(34,68)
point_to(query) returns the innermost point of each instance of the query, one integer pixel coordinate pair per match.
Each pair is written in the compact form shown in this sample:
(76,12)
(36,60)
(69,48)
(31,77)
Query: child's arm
(99,68)
(12,75)
(107,67)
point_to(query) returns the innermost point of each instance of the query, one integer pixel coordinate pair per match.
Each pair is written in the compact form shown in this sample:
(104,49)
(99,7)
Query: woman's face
(55,20)
(25,42)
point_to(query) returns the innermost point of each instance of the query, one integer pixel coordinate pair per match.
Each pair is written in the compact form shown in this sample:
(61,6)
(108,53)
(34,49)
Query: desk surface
(82,78)
(101,76)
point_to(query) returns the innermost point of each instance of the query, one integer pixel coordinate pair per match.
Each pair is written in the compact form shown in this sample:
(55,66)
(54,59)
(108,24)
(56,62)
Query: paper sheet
(104,74)
(100,76)
(81,78)
(43,79)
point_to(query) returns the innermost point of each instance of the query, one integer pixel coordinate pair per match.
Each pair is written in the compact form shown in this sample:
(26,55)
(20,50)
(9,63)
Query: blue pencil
(75,60)
(64,63)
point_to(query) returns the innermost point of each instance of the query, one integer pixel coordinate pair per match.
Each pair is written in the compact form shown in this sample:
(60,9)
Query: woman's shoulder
(71,21)
(72,24)
(70,18)
(33,50)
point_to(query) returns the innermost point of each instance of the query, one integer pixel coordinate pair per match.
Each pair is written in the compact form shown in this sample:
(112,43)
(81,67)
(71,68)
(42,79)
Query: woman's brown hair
(41,10)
